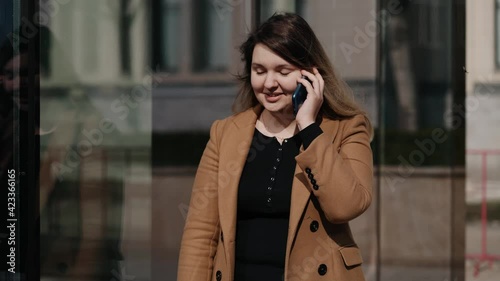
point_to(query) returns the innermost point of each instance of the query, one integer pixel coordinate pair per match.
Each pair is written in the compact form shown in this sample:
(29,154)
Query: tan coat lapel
(234,147)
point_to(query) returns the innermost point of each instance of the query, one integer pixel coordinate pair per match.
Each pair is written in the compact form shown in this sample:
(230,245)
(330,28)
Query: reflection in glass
(171,34)
(75,190)
(421,174)
(94,143)
(211,34)
(269,7)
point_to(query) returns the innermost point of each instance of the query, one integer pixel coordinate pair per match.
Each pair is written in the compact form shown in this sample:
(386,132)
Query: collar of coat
(249,118)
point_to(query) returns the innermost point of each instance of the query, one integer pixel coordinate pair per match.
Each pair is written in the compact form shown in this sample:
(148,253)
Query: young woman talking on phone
(274,192)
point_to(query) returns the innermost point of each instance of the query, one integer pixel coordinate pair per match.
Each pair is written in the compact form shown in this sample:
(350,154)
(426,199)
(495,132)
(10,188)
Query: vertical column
(421,175)
(458,86)
(139,39)
(107,42)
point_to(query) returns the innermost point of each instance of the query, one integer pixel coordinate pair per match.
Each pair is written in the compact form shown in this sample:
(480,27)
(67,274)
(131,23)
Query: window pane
(211,35)
(269,7)
(95,135)
(171,34)
(421,179)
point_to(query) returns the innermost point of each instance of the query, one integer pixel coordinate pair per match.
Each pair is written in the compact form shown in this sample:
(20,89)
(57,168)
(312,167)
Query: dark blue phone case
(299,96)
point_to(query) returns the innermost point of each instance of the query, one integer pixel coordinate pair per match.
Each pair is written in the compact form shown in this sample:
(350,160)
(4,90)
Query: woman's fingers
(316,81)
(312,78)
(320,80)
(307,84)
(309,110)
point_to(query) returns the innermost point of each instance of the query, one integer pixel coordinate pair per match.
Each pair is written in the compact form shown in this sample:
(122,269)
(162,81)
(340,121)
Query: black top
(264,195)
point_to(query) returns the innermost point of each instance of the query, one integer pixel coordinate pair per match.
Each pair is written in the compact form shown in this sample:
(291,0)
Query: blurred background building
(148,78)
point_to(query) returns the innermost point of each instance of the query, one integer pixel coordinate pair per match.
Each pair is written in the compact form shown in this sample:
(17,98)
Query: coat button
(314,226)
(316,187)
(310,176)
(218,275)
(322,269)
(308,170)
(313,181)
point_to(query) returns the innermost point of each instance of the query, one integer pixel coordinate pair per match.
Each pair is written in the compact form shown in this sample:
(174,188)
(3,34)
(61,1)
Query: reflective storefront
(124,92)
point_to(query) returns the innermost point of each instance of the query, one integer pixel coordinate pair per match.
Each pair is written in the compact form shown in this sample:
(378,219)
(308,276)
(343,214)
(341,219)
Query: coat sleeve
(340,176)
(200,237)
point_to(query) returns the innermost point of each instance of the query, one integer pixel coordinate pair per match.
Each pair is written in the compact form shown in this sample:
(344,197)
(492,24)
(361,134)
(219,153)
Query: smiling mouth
(274,95)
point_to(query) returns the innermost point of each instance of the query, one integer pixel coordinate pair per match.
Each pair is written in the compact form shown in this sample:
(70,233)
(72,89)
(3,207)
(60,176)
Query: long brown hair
(290,37)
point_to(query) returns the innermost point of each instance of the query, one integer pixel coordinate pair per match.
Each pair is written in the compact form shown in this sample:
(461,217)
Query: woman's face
(15,78)
(273,80)
(14,70)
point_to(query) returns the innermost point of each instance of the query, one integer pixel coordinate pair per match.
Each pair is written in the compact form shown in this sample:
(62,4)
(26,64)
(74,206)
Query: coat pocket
(351,256)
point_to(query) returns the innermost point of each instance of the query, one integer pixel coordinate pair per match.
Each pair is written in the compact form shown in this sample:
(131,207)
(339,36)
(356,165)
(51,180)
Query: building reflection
(129,89)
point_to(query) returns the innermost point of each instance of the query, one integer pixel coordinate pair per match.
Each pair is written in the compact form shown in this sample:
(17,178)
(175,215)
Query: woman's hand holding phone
(299,96)
(307,113)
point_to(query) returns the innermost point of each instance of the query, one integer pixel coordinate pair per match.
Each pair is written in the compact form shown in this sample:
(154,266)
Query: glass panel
(211,35)
(421,173)
(171,35)
(95,138)
(418,91)
(219,46)
(6,19)
(269,7)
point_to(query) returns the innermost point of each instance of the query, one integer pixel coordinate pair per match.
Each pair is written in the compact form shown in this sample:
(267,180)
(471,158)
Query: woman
(274,192)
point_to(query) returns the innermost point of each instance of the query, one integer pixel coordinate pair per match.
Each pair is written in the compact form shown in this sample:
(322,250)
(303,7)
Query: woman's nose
(270,81)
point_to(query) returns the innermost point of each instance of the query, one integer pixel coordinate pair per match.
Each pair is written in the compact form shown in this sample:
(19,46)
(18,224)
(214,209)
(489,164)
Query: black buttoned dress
(264,195)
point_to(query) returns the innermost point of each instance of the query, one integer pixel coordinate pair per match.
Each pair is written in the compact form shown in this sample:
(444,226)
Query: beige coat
(320,245)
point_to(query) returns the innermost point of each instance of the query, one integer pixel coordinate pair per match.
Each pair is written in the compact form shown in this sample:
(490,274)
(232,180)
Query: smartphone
(299,96)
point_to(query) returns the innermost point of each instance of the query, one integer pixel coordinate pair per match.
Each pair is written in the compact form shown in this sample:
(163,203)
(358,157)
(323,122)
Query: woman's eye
(260,72)
(285,73)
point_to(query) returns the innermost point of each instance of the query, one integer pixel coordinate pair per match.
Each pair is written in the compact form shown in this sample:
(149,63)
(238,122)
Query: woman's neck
(278,124)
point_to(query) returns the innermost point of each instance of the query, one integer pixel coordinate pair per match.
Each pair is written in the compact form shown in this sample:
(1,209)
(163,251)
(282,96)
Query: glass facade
(169,47)
(90,124)
(95,138)
(128,91)
(421,140)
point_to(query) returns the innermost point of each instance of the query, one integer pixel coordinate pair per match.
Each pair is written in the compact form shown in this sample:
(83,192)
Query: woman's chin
(278,108)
